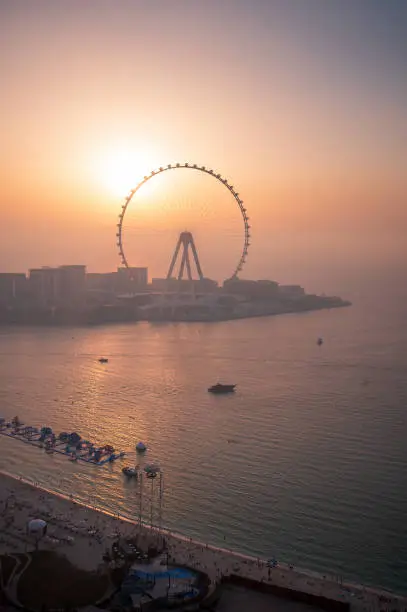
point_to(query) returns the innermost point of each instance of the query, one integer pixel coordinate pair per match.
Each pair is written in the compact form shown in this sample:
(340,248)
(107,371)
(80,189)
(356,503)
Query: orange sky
(303,109)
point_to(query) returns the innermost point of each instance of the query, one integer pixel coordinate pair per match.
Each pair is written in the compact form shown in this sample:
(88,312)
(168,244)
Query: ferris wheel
(201,169)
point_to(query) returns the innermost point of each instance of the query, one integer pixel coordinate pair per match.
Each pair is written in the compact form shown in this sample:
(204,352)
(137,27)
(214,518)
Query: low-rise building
(292,290)
(13,288)
(262,289)
(129,280)
(64,286)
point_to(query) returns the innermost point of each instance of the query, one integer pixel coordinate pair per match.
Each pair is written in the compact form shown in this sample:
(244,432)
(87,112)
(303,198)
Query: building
(292,291)
(43,286)
(63,287)
(203,285)
(13,288)
(101,282)
(131,280)
(254,290)
(72,289)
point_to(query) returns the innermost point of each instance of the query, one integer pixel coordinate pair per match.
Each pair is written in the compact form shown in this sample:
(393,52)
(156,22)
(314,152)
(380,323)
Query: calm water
(307,461)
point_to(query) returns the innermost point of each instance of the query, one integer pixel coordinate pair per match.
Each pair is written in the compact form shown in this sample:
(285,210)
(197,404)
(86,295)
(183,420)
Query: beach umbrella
(38,529)
(152,469)
(37,526)
(74,437)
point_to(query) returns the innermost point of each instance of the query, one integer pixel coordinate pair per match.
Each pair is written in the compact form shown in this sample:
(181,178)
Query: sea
(306,462)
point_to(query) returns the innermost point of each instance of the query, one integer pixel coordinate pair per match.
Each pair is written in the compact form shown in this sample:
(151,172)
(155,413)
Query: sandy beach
(83,534)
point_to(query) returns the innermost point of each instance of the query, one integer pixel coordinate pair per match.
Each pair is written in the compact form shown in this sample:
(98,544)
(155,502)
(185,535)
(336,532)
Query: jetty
(70,444)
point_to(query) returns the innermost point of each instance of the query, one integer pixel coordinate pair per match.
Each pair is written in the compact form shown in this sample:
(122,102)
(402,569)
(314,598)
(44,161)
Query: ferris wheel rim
(205,170)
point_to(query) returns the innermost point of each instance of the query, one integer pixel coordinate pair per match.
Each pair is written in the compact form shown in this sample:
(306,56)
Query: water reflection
(288,466)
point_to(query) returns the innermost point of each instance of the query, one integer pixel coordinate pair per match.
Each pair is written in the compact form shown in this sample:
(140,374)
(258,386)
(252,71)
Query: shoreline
(213,560)
(255,313)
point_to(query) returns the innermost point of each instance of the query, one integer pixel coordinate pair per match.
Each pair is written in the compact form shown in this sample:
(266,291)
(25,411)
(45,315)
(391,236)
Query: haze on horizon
(302,105)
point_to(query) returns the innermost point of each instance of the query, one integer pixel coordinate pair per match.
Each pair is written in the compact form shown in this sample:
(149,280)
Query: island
(68,295)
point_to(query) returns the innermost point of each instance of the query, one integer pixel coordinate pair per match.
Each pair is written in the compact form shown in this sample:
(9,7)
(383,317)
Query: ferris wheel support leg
(174,258)
(188,264)
(182,266)
(195,254)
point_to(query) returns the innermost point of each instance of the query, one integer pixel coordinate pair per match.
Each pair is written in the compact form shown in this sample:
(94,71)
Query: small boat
(103,360)
(320,341)
(219,388)
(131,472)
(141,447)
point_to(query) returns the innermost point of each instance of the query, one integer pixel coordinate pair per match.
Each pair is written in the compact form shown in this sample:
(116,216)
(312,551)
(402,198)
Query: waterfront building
(58,287)
(262,289)
(175,285)
(130,280)
(292,291)
(13,288)
(101,281)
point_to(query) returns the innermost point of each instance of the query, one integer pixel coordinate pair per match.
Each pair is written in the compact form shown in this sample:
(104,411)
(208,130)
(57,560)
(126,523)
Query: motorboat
(141,447)
(131,472)
(103,360)
(219,388)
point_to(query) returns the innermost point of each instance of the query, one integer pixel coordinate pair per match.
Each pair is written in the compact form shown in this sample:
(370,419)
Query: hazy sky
(302,104)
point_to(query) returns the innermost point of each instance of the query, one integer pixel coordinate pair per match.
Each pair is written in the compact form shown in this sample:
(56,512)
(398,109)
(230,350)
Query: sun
(120,170)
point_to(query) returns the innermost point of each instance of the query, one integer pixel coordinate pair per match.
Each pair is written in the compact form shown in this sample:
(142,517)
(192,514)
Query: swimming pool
(173,572)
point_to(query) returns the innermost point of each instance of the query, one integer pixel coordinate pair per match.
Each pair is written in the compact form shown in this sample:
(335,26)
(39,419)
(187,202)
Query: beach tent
(152,468)
(37,528)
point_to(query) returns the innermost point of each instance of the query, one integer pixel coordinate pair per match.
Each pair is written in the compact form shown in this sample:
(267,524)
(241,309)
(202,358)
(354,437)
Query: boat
(320,341)
(103,360)
(219,388)
(131,472)
(141,447)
